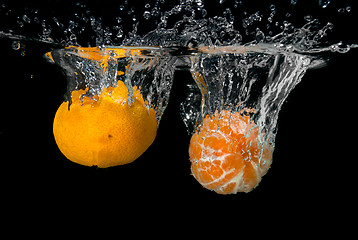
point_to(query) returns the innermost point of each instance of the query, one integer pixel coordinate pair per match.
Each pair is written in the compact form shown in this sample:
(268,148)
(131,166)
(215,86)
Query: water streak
(96,69)
(249,78)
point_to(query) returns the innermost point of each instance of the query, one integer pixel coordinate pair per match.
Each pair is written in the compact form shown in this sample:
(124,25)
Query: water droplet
(26,19)
(155,12)
(329,26)
(73,37)
(146,15)
(21,24)
(204,12)
(37,20)
(348,8)
(120,33)
(221,1)
(16,45)
(308,18)
(324,3)
(340,47)
(341,10)
(293,2)
(260,36)
(272,7)
(56,21)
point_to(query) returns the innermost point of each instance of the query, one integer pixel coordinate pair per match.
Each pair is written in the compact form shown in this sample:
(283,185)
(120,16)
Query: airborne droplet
(146,15)
(16,45)
(324,3)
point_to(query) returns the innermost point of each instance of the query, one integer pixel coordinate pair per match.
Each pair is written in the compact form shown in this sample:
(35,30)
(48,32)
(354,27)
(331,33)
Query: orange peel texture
(226,155)
(105,131)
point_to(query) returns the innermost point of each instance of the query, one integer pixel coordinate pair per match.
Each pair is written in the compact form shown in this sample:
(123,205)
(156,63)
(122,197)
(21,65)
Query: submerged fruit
(226,154)
(107,131)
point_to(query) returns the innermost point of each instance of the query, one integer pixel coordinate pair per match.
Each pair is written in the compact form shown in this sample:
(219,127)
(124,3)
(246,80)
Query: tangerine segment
(226,155)
(107,131)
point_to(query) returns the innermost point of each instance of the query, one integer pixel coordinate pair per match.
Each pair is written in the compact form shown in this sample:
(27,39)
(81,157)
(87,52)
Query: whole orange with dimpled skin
(107,131)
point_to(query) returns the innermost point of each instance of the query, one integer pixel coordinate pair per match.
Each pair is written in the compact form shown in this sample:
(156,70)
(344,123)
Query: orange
(107,130)
(226,154)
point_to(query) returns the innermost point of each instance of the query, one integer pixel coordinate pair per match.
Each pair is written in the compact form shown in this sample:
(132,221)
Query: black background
(312,175)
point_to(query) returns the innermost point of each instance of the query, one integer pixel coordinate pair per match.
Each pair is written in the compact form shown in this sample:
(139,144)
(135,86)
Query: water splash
(257,77)
(96,69)
(242,55)
(159,23)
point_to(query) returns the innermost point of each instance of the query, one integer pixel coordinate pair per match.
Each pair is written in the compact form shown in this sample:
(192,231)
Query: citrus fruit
(106,130)
(226,154)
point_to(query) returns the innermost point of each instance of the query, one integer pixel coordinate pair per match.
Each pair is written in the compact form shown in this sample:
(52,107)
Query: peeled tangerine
(226,155)
(107,131)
